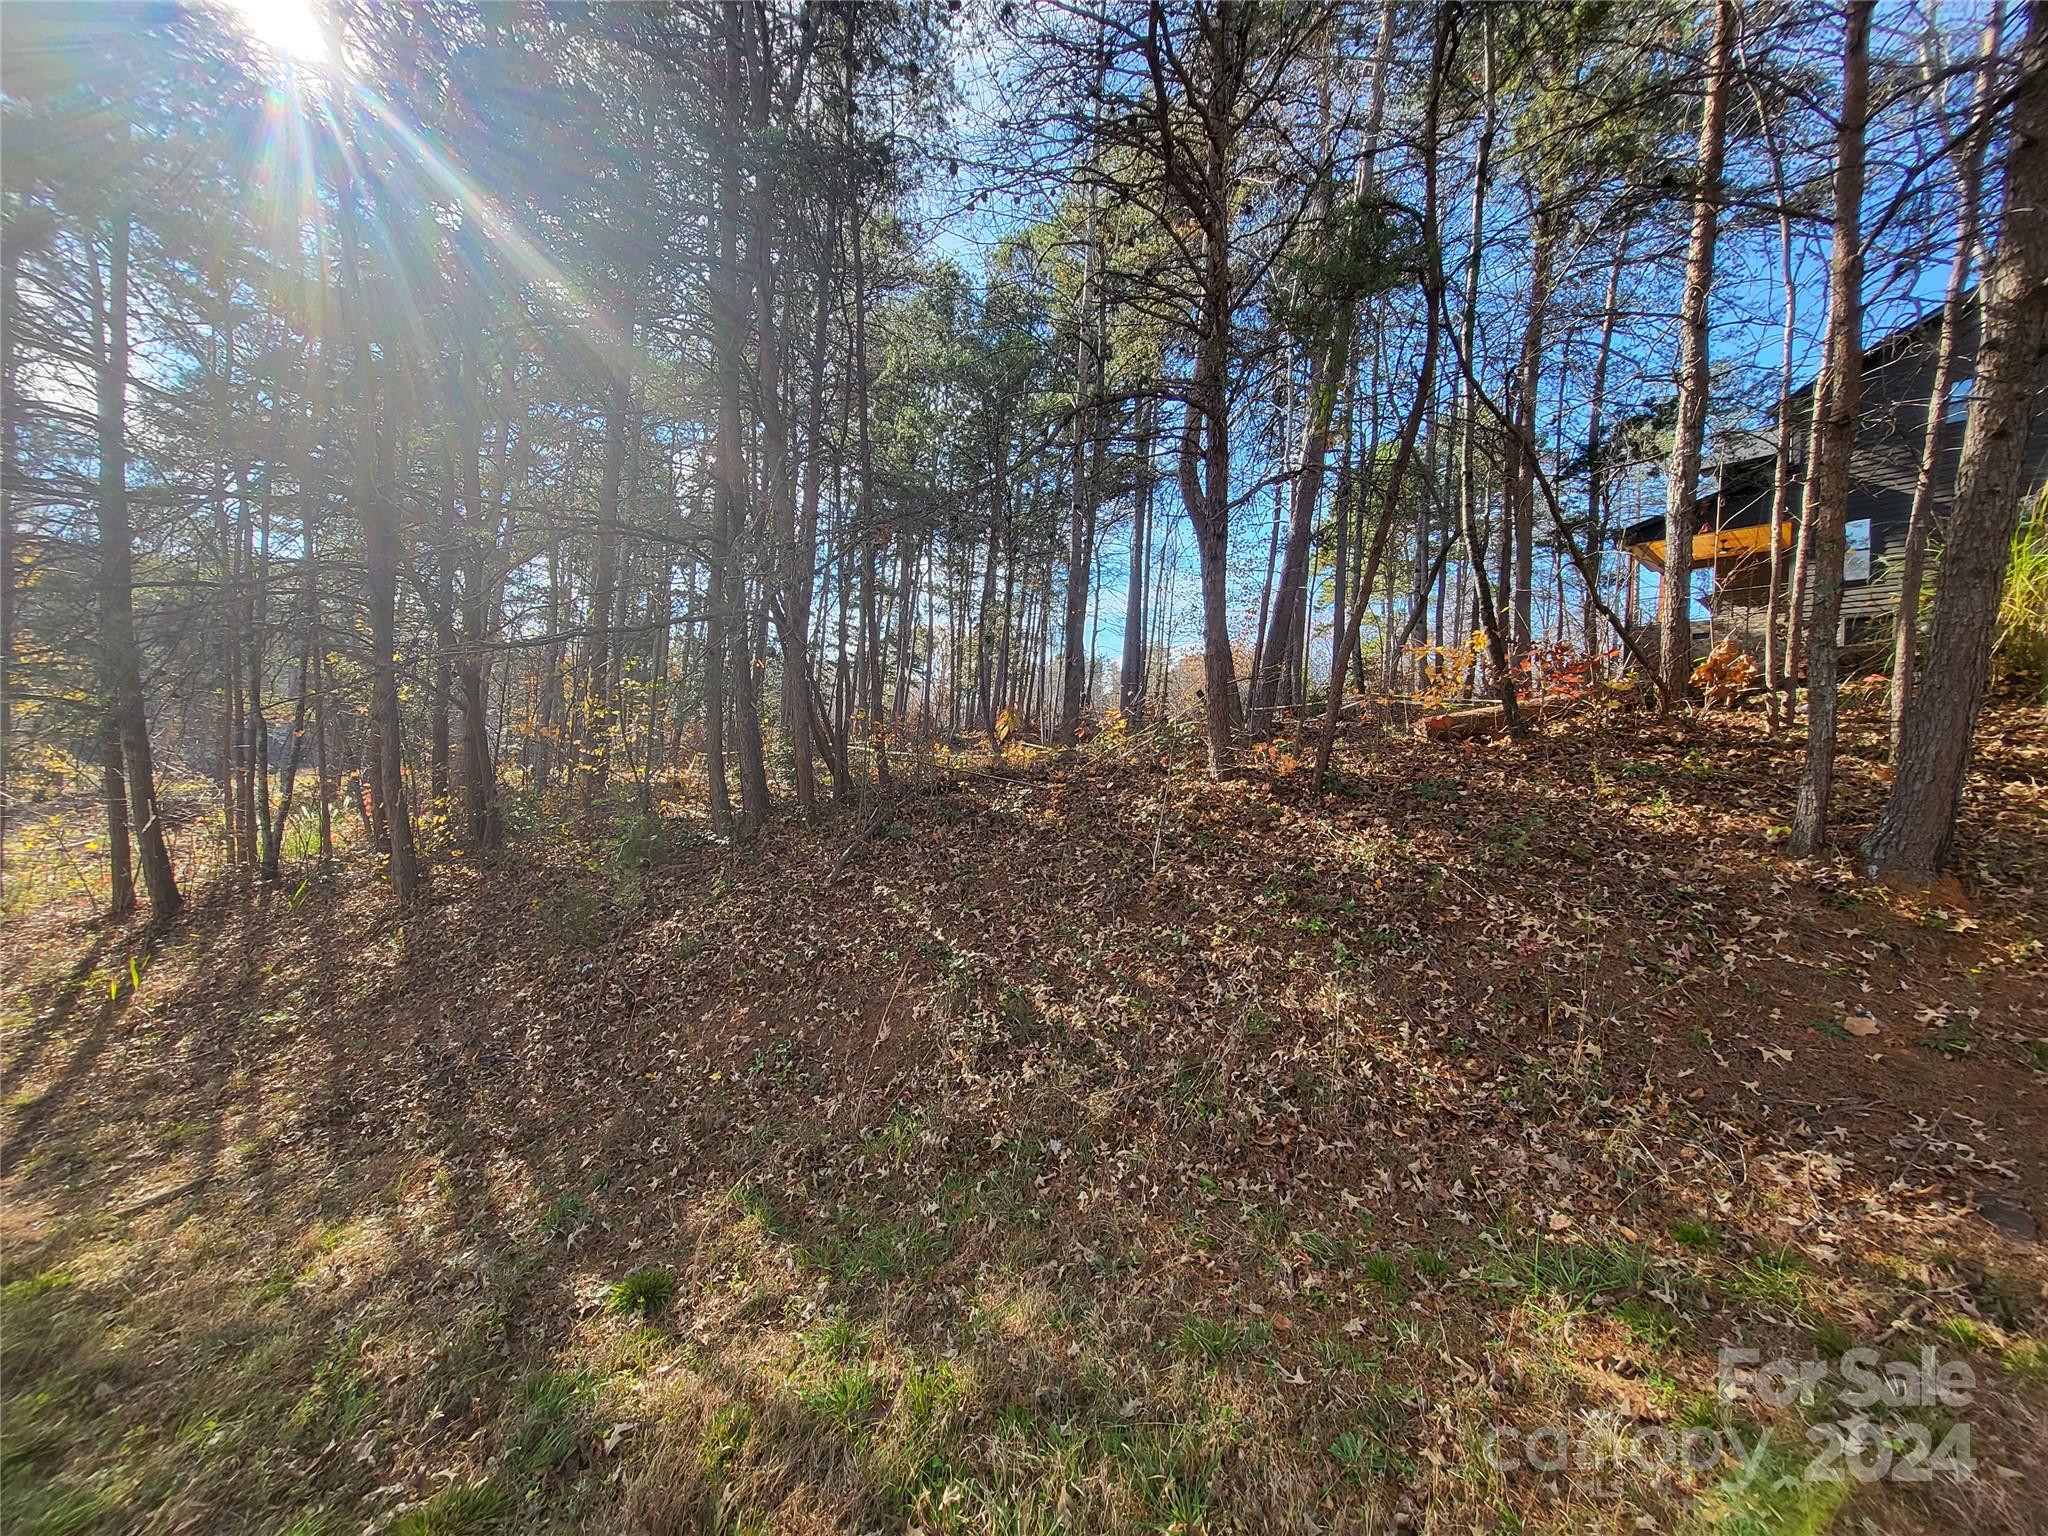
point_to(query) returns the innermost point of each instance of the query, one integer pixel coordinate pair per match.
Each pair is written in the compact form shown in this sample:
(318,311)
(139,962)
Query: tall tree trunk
(547,710)
(1204,181)
(1916,828)
(1596,452)
(1800,600)
(1969,166)
(114,800)
(1777,672)
(1484,603)
(987,695)
(1425,389)
(1329,367)
(1088,367)
(441,695)
(1836,403)
(380,551)
(10,470)
(385,760)
(120,656)
(479,604)
(1131,673)
(1683,481)
(594,727)
(1521,482)
(1262,637)
(800,572)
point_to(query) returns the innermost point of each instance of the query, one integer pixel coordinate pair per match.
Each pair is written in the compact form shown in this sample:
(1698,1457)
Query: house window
(1957,407)
(1856,553)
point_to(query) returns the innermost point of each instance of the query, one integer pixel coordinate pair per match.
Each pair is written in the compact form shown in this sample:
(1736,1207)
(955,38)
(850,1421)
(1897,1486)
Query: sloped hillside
(1073,1145)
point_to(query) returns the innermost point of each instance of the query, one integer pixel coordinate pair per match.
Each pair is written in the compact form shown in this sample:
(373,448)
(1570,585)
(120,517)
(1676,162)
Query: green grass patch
(553,1413)
(1204,1339)
(839,1338)
(1696,1235)
(644,1292)
(1579,1272)
(467,1509)
(846,1395)
(724,1438)
(562,1217)
(1384,1271)
(1772,1276)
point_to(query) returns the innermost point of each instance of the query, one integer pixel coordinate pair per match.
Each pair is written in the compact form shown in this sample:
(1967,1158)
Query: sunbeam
(293,30)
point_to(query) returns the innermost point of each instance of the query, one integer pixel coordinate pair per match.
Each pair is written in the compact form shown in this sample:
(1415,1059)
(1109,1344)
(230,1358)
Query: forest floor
(1099,1150)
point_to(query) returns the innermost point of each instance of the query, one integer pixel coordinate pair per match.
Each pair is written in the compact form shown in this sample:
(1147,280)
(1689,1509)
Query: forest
(1023,766)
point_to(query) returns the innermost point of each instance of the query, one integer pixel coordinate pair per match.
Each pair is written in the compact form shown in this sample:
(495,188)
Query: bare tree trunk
(1521,481)
(1201,174)
(983,705)
(441,695)
(274,825)
(802,558)
(1799,603)
(1131,670)
(1256,690)
(1683,482)
(120,657)
(862,384)
(1596,452)
(257,760)
(1916,828)
(1969,165)
(10,469)
(594,726)
(1088,369)
(728,476)
(480,600)
(1835,406)
(1000,689)
(114,797)
(1468,509)
(1425,389)
(380,548)
(1776,671)
(385,760)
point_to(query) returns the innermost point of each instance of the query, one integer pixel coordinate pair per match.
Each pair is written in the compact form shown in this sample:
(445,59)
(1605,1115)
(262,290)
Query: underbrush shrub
(2021,655)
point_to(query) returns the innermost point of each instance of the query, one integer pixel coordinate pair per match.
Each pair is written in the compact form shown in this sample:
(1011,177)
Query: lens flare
(291,29)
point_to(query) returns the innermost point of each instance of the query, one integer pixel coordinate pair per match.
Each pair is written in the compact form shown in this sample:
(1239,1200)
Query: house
(1734,535)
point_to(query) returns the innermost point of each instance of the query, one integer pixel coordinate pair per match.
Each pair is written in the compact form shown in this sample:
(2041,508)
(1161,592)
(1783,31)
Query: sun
(291,29)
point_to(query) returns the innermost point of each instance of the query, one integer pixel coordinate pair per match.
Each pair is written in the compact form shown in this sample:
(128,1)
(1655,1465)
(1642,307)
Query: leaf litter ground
(1100,1149)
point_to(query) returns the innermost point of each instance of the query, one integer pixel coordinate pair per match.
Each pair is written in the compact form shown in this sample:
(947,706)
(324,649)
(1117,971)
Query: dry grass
(1015,1182)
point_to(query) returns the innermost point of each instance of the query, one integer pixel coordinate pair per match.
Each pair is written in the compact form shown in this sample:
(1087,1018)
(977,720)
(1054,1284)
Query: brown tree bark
(120,656)
(1969,167)
(1484,604)
(1776,671)
(10,456)
(1088,370)
(385,759)
(1683,481)
(1425,388)
(594,726)
(1199,170)
(1916,828)
(1836,403)
(1520,489)
(1131,676)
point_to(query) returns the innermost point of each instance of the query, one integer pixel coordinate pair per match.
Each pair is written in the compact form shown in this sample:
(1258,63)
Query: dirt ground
(1080,1146)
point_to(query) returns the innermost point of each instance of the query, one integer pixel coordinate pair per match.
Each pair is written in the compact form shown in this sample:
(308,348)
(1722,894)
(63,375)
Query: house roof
(1883,458)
